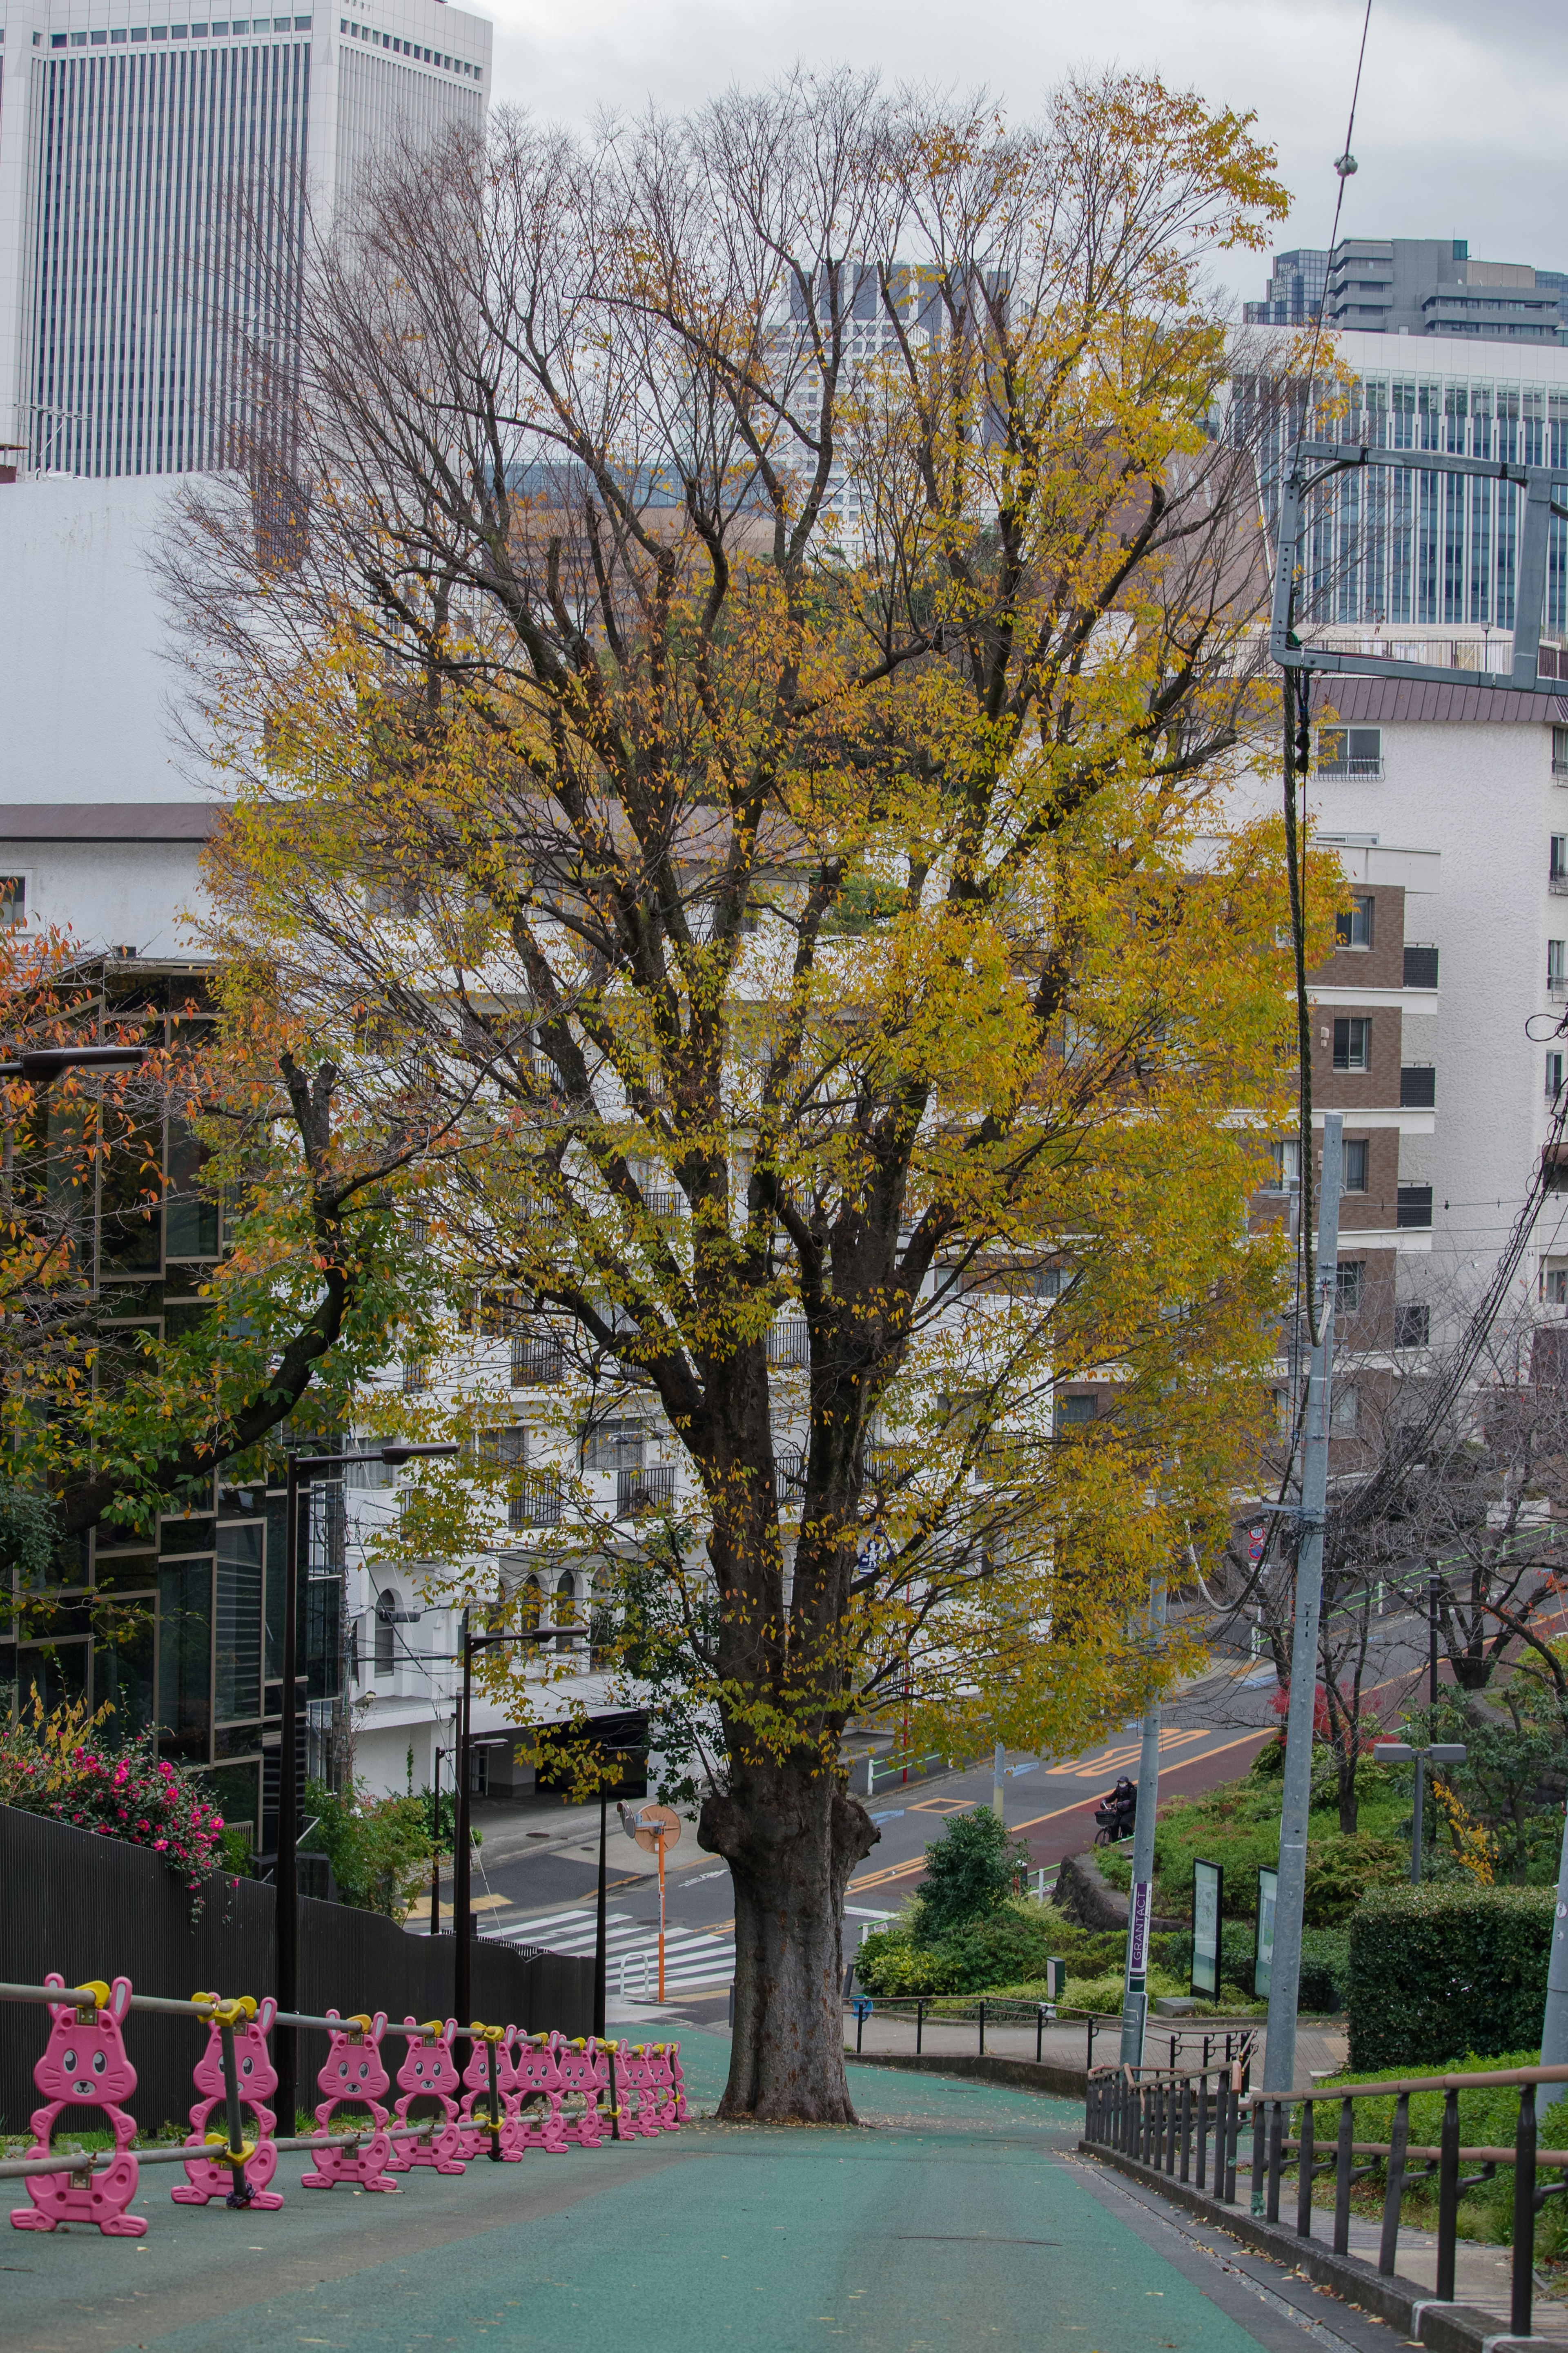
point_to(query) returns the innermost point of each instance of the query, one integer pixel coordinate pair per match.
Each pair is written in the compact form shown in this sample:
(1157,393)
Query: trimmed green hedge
(1440,1970)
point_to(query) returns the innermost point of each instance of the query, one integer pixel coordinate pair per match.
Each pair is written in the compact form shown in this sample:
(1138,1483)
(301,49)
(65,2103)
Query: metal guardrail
(987,2011)
(1152,2113)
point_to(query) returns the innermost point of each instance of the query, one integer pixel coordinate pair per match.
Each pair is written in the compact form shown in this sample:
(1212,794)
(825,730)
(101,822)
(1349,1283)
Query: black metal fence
(95,1907)
(1195,2135)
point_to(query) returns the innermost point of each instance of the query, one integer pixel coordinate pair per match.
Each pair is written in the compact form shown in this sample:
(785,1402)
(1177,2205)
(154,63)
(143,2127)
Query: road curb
(1443,2327)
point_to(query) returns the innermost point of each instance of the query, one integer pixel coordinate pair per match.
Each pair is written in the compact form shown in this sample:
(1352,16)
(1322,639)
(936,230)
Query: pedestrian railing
(1173,2122)
(985,2011)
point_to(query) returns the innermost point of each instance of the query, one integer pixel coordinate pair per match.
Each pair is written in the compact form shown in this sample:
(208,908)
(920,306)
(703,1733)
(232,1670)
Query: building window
(387,1605)
(1287,1151)
(416,1375)
(1352,1042)
(1346,1410)
(1348,1278)
(1354,1178)
(1350,751)
(1414,1206)
(1557,966)
(1554,1285)
(1553,1074)
(1560,751)
(1417,1087)
(504,1449)
(1412,1324)
(1557,864)
(616,1446)
(1353,924)
(12,899)
(1079,1406)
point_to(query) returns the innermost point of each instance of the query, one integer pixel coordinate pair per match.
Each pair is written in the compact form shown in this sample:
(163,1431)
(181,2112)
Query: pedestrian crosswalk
(694,1959)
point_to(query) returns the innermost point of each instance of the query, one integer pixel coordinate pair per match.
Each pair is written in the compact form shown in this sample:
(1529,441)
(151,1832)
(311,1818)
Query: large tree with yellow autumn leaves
(732,661)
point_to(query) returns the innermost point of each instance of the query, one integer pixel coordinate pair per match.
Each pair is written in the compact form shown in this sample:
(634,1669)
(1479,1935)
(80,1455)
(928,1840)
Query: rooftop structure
(1414,286)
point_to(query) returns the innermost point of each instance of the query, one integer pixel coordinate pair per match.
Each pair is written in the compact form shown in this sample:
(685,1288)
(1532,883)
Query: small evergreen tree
(971,1870)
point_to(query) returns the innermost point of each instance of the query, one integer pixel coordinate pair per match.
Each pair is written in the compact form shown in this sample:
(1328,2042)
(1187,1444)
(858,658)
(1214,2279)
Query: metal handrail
(1155,2116)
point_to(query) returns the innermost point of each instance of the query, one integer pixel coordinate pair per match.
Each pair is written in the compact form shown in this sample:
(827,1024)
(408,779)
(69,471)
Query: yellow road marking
(906,1870)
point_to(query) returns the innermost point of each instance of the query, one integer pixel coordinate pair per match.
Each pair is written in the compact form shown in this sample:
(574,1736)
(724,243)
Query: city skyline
(1458,132)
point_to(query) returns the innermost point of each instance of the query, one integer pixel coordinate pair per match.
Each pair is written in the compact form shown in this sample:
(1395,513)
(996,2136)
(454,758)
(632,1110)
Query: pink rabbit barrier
(354,2076)
(661,2086)
(245,2028)
(532,2087)
(85,2064)
(584,2070)
(637,2083)
(488,2126)
(428,2072)
(553,2094)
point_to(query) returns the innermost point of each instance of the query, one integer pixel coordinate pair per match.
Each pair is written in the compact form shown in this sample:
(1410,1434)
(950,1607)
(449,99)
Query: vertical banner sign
(1263,1954)
(1135,2000)
(1138,1931)
(1208,1880)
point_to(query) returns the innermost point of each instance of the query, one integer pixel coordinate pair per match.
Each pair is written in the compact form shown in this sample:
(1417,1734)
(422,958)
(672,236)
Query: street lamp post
(302,1469)
(436,1847)
(1401,1752)
(462,1914)
(40,1065)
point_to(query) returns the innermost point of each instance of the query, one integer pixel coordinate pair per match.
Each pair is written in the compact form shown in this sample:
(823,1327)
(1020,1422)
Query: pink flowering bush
(58,1764)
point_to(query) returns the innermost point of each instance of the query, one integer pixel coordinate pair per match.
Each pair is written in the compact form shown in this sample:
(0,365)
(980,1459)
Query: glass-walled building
(1406,547)
(179,1626)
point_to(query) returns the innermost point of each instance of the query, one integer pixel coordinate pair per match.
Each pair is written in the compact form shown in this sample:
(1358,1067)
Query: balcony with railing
(538,1360)
(789,1344)
(639,1493)
(534,1500)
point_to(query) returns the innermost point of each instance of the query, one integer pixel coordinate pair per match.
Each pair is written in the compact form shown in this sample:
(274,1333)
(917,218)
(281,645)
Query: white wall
(86,690)
(109,894)
(1483,796)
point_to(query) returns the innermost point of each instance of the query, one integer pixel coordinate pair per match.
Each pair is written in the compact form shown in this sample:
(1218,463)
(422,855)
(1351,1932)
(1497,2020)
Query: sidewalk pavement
(961,2219)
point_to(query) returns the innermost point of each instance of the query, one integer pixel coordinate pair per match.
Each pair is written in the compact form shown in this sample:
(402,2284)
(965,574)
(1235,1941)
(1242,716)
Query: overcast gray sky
(1459,132)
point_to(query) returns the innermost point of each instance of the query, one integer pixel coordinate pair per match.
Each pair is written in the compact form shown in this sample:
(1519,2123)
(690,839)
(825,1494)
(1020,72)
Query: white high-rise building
(154,174)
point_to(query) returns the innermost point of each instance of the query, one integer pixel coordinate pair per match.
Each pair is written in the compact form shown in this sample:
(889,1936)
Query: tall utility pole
(1141,1901)
(1285,1971)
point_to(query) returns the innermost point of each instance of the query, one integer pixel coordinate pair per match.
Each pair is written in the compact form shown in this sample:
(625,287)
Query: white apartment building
(1450,799)
(155,172)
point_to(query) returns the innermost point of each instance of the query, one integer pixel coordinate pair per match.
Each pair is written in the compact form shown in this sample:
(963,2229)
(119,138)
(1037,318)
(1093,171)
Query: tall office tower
(1294,294)
(155,174)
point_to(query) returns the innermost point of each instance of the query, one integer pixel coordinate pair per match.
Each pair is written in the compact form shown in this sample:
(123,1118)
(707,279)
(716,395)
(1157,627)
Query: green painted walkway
(959,2221)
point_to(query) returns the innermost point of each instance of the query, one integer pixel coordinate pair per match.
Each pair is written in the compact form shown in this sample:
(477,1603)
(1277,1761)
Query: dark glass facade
(179,1626)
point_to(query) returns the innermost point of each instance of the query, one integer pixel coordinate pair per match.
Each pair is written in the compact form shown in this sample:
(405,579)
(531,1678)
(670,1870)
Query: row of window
(1358,751)
(230,28)
(357,32)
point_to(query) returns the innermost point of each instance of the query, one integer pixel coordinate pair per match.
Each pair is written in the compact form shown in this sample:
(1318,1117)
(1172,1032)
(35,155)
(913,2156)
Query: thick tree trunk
(791,1838)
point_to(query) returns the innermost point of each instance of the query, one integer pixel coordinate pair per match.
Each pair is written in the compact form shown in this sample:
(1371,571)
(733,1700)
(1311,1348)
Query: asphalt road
(537,1872)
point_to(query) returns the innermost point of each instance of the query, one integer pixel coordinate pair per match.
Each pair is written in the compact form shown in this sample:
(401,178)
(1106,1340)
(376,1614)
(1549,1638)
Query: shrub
(379,1848)
(1341,1870)
(890,1966)
(971,1870)
(59,1764)
(1439,1970)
